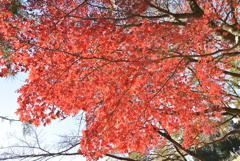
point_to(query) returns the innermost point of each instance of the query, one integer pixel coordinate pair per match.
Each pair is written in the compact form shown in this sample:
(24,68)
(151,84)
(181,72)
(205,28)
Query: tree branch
(195,7)
(180,153)
(232,74)
(8,119)
(120,158)
(232,110)
(169,138)
(232,29)
(221,139)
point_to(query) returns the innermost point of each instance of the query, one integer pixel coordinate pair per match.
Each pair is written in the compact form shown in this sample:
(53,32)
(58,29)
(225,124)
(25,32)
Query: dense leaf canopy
(140,70)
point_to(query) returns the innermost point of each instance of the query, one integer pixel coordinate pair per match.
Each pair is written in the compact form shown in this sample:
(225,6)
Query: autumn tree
(141,71)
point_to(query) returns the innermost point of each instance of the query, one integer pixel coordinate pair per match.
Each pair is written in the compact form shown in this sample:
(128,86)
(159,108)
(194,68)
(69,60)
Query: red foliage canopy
(134,67)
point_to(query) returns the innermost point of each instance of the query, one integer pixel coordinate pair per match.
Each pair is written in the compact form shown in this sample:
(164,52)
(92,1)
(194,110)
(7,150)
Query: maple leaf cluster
(133,67)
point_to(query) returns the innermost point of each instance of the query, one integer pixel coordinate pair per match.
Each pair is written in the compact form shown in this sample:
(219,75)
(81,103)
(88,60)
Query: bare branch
(8,119)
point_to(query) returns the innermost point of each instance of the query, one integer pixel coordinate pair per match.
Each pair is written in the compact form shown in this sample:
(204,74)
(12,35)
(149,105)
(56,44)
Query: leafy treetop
(134,67)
